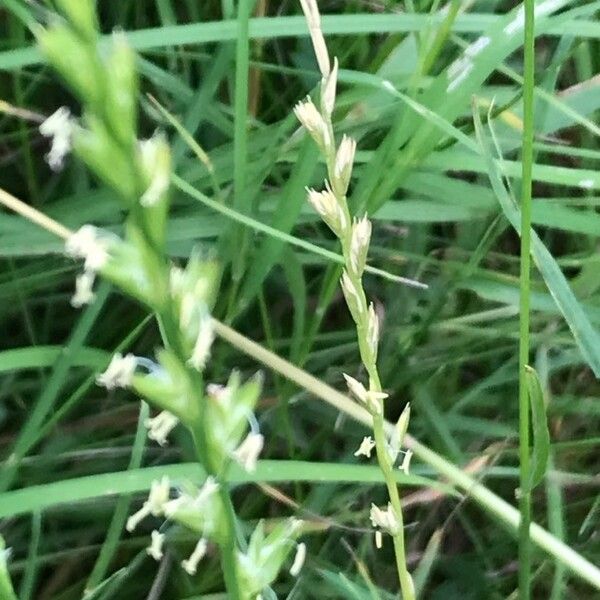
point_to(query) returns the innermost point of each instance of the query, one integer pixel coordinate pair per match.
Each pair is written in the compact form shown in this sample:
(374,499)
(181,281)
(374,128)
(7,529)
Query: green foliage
(440,218)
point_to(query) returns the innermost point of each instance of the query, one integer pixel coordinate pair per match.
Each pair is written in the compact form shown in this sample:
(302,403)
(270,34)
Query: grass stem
(524,302)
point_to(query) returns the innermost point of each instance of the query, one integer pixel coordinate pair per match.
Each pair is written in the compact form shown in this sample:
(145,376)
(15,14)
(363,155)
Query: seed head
(359,245)
(308,114)
(372,331)
(330,209)
(342,169)
(328,91)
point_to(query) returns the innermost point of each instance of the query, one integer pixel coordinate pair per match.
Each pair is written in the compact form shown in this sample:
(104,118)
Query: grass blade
(586,336)
(541,435)
(121,509)
(139,480)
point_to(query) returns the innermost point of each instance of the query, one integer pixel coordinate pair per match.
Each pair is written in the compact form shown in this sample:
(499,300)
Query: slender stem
(406,584)
(229,549)
(227,543)
(381,444)
(240,148)
(525,275)
(33,215)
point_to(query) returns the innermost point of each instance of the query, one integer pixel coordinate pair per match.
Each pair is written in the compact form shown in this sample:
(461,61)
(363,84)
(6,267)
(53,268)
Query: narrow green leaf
(69,491)
(587,338)
(541,435)
(423,572)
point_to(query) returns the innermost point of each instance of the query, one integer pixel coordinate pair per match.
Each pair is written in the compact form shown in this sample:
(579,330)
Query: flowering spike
(328,91)
(342,169)
(119,372)
(353,296)
(373,331)
(313,18)
(330,210)
(359,245)
(308,114)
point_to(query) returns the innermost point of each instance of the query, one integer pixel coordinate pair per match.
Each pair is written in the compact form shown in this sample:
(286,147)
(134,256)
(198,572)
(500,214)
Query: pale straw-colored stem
(33,215)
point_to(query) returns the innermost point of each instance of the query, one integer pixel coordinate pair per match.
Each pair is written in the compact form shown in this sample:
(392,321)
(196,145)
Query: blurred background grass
(451,350)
